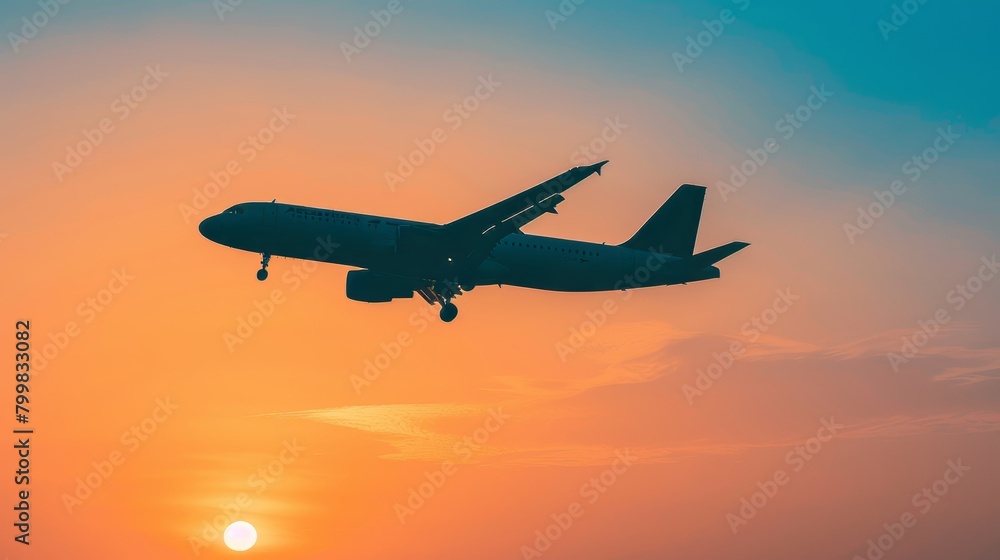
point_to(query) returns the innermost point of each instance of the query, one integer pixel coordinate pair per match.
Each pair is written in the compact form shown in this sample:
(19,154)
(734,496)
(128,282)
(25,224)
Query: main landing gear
(262,273)
(448,312)
(441,292)
(446,290)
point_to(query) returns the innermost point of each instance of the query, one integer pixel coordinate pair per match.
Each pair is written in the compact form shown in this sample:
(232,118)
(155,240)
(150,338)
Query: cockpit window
(235,210)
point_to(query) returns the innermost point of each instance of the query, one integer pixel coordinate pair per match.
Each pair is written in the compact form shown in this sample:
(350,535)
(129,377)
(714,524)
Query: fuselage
(373,243)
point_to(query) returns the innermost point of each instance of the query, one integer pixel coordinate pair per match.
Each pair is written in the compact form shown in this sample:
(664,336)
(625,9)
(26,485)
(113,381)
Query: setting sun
(240,536)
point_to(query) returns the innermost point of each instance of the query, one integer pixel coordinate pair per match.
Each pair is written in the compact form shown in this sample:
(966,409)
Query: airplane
(396,258)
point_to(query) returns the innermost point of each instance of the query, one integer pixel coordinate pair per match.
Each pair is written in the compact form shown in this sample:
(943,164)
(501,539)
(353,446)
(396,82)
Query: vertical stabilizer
(673,228)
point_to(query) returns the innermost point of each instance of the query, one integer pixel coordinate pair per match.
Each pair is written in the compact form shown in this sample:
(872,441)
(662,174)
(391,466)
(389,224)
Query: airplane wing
(476,235)
(507,216)
(454,250)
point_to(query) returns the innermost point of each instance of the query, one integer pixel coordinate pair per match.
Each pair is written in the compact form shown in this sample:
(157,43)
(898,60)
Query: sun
(240,536)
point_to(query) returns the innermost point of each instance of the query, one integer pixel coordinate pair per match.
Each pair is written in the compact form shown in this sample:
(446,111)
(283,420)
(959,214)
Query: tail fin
(712,256)
(673,228)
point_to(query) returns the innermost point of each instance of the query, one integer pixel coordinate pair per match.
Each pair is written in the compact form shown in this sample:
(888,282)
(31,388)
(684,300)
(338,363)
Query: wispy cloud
(653,358)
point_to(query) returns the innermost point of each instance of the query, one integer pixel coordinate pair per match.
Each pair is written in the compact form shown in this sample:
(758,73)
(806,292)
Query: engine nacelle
(372,287)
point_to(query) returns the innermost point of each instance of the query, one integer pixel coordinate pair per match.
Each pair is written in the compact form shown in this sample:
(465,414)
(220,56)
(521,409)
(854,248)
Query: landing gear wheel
(448,312)
(262,273)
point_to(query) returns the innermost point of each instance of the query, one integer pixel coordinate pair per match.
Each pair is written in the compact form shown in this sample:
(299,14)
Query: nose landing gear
(262,273)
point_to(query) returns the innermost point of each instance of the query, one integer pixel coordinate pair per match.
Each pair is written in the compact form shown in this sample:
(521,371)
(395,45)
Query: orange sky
(345,458)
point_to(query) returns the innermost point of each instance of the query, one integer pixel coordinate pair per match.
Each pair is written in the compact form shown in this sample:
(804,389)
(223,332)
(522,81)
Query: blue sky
(937,69)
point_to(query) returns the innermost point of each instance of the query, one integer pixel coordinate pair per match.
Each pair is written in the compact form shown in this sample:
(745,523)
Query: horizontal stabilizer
(712,256)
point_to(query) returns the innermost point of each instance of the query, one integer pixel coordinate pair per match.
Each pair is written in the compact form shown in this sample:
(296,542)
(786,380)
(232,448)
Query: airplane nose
(209,227)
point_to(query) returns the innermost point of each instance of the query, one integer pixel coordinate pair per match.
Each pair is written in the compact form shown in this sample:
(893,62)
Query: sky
(834,395)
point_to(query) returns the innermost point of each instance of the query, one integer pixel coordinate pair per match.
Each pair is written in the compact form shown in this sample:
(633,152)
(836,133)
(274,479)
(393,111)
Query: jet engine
(372,287)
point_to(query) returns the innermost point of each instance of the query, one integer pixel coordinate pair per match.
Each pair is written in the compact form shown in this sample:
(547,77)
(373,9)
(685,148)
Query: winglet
(597,166)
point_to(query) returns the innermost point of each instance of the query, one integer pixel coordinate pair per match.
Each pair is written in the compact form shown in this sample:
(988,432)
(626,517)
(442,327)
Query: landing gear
(262,273)
(441,293)
(448,312)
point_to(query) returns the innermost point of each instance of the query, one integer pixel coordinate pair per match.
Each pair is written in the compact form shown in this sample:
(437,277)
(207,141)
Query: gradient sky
(345,458)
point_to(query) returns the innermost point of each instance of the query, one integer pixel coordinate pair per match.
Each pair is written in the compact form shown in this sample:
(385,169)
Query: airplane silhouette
(399,257)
